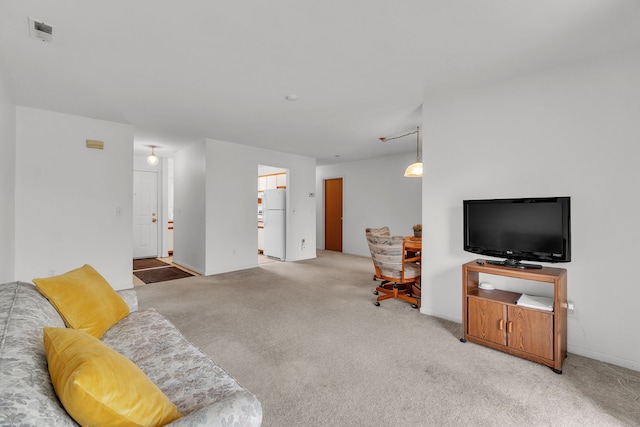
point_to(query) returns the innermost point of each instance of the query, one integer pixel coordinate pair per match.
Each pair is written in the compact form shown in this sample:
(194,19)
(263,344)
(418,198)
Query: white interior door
(145,214)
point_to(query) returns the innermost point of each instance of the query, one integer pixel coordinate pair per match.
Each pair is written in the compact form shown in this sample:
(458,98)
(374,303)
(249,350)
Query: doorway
(333,214)
(272,207)
(145,214)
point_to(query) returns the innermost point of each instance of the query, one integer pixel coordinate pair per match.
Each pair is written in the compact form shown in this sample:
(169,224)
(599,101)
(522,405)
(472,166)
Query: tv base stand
(493,319)
(514,263)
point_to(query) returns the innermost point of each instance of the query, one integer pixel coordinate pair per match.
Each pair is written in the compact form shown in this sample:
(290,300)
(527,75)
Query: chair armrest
(131,298)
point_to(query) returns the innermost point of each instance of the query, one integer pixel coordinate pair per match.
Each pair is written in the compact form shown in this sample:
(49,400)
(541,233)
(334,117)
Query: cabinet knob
(501,324)
(509,327)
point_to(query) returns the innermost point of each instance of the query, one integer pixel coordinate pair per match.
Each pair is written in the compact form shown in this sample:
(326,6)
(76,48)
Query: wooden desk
(413,243)
(412,248)
(413,253)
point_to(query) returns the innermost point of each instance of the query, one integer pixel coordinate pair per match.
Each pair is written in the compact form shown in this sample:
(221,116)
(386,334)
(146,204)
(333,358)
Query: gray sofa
(201,390)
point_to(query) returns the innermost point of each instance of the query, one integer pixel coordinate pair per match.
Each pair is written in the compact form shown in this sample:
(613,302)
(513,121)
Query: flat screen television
(532,229)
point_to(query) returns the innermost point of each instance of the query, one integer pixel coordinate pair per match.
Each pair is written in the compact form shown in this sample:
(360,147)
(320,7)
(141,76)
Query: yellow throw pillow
(84,299)
(100,387)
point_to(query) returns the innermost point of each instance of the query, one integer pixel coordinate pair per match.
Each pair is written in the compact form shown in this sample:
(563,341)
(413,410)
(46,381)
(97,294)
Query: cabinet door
(487,320)
(531,331)
(281,180)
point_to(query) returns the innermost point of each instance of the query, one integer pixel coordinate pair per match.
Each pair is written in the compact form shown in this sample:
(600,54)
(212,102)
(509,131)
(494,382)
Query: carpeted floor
(306,338)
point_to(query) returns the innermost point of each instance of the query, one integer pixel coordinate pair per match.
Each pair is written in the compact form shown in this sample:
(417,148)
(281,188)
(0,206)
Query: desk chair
(397,272)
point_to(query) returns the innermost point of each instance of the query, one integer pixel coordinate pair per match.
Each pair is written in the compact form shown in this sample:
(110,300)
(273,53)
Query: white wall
(223,233)
(68,196)
(7,184)
(568,132)
(189,207)
(375,194)
(231,207)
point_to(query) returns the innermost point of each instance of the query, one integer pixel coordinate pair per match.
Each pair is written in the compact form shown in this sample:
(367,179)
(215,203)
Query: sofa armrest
(131,298)
(239,409)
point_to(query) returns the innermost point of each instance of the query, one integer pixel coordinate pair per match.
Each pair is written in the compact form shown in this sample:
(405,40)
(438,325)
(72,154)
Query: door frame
(268,169)
(159,209)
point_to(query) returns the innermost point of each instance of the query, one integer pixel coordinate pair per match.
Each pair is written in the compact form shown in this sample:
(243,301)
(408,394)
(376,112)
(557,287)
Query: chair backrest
(382,231)
(387,253)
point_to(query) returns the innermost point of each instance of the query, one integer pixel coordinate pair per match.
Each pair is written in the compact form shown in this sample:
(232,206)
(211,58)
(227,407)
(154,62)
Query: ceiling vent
(40,30)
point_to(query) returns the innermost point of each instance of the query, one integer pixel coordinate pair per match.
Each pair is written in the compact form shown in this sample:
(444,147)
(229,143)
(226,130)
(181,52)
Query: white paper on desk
(532,301)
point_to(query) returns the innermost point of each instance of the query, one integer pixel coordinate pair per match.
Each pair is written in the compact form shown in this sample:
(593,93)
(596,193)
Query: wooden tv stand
(491,317)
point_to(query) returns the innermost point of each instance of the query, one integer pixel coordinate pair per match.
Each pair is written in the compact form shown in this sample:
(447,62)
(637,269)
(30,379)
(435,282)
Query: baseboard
(189,267)
(580,351)
(424,310)
(607,358)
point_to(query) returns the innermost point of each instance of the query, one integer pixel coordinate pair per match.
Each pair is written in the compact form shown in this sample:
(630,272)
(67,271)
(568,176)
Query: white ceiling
(194,69)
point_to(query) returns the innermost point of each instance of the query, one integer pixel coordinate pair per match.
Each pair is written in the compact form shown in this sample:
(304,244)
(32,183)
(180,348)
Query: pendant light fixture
(152,160)
(415,169)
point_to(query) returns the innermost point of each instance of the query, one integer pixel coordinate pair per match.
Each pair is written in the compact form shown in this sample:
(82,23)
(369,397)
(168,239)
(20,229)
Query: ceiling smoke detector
(40,30)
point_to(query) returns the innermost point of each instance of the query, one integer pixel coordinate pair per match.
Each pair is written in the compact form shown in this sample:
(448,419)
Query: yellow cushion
(84,299)
(100,387)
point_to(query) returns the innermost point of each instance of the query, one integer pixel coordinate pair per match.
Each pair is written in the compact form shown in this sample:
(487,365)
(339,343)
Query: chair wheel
(414,305)
(375,292)
(377,304)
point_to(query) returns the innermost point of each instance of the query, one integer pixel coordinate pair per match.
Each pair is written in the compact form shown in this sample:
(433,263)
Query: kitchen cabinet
(271,182)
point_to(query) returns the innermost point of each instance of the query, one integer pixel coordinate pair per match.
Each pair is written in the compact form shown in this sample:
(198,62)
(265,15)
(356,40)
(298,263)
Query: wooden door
(487,320)
(531,331)
(145,214)
(333,214)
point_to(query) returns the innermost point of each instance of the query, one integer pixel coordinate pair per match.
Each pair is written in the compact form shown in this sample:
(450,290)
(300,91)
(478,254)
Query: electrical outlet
(571,309)
(302,244)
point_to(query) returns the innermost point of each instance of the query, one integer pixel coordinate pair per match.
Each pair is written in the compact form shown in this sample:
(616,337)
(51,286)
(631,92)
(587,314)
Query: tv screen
(533,229)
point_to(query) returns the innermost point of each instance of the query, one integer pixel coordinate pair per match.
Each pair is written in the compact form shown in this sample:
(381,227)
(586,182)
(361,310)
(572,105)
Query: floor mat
(141,264)
(156,275)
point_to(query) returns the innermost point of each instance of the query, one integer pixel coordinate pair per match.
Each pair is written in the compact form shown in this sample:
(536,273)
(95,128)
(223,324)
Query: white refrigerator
(274,223)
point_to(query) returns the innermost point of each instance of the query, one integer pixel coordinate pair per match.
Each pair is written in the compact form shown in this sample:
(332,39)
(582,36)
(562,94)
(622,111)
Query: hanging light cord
(383,139)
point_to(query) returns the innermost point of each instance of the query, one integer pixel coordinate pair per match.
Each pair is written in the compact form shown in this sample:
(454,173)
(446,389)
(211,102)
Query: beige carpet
(306,338)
